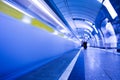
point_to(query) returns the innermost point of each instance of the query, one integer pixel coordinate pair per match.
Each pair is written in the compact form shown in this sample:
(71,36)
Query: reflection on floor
(92,64)
(101,65)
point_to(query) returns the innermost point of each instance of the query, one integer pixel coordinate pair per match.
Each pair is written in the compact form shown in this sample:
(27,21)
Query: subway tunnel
(44,39)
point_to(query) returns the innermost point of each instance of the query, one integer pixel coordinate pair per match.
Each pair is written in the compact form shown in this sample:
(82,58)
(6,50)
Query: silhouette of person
(84,44)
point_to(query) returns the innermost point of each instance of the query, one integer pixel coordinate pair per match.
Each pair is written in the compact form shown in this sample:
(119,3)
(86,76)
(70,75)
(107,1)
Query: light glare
(110,8)
(40,5)
(17,8)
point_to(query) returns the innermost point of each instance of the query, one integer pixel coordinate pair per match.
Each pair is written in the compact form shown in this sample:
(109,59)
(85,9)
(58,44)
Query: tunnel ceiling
(75,11)
(83,9)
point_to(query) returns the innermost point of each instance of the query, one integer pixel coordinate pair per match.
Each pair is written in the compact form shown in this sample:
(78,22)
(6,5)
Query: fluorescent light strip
(17,8)
(39,4)
(92,26)
(95,29)
(86,30)
(88,22)
(110,8)
(82,24)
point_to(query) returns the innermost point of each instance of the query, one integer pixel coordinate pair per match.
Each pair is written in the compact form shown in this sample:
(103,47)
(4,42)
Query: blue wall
(23,46)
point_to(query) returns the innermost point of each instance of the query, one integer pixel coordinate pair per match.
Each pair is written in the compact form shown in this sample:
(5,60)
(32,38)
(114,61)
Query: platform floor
(91,64)
(52,70)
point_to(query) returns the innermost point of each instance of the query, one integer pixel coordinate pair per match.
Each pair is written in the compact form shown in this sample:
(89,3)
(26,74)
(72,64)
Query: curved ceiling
(85,9)
(75,11)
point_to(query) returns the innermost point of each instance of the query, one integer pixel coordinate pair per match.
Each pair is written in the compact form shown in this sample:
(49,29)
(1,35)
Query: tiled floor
(92,64)
(98,65)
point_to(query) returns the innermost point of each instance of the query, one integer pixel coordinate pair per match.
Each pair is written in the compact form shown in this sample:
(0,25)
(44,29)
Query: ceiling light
(42,6)
(95,29)
(110,8)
